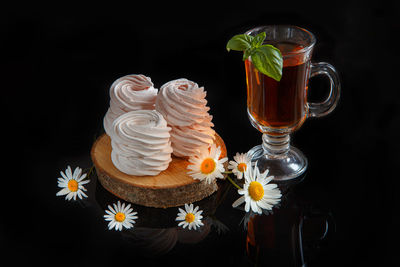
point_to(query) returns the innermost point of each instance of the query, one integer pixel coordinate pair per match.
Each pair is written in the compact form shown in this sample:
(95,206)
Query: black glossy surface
(57,64)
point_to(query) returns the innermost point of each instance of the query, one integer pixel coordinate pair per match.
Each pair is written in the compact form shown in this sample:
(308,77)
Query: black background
(58,62)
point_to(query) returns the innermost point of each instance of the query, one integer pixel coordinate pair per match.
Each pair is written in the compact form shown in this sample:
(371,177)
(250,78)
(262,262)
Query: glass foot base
(283,167)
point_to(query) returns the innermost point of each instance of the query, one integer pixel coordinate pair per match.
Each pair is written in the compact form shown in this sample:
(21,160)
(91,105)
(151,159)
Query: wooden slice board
(172,187)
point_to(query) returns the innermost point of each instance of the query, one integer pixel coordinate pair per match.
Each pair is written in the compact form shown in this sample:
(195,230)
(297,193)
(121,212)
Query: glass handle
(327,106)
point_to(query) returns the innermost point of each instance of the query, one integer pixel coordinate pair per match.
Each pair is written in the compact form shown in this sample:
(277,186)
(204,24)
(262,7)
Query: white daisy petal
(253,206)
(270,186)
(181,211)
(111,225)
(219,175)
(195,209)
(242,191)
(247,205)
(269,179)
(84,182)
(180,218)
(127,224)
(232,164)
(68,172)
(264,205)
(238,202)
(213,150)
(77,173)
(62,192)
(69,196)
(236,157)
(132,217)
(111,209)
(128,209)
(82,194)
(223,160)
(83,176)
(64,175)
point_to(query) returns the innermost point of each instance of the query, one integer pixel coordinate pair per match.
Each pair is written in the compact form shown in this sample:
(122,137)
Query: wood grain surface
(172,187)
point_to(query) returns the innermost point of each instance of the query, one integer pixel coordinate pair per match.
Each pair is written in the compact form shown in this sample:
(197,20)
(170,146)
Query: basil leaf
(240,42)
(247,53)
(258,39)
(268,60)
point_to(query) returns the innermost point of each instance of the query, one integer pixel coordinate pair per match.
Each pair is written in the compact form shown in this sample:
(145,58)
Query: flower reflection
(156,233)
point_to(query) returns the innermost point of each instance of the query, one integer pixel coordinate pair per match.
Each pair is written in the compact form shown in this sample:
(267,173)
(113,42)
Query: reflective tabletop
(57,66)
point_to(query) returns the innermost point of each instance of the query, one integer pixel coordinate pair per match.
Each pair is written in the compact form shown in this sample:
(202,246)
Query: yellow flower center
(256,191)
(119,217)
(242,167)
(189,217)
(73,185)
(207,166)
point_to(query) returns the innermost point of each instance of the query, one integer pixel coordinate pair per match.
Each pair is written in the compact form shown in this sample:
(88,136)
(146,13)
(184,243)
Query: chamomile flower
(206,165)
(190,217)
(72,184)
(239,164)
(257,193)
(120,216)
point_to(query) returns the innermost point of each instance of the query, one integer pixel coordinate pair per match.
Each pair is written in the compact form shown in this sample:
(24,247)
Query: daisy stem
(227,172)
(90,171)
(232,182)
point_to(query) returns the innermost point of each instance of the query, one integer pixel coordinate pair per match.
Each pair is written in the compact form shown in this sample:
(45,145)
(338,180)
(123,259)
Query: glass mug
(278,108)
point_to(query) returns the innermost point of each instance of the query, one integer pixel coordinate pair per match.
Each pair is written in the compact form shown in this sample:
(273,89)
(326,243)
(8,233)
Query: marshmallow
(183,105)
(140,142)
(128,93)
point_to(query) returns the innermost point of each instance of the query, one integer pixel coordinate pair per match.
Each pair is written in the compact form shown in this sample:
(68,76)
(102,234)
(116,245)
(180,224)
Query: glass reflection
(289,235)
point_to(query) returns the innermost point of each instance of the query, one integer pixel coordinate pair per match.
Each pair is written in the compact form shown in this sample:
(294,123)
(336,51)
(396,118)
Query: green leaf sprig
(266,58)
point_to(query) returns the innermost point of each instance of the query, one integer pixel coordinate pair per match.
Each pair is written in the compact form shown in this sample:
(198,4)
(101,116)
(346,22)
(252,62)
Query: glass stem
(276,145)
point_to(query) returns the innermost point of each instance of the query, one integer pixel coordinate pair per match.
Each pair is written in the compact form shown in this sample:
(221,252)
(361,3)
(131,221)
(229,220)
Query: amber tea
(280,104)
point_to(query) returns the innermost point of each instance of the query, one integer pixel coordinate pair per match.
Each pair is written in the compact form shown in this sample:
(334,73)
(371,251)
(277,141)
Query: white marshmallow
(128,93)
(183,105)
(140,142)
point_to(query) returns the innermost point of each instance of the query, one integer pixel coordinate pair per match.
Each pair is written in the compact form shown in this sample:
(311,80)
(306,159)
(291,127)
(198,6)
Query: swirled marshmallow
(182,102)
(128,93)
(140,142)
(184,107)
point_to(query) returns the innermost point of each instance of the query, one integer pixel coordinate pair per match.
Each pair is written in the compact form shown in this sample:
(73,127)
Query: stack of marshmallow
(128,93)
(146,127)
(141,143)
(183,105)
